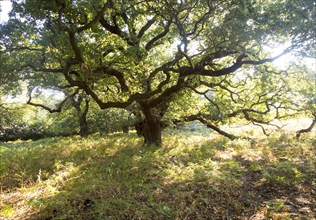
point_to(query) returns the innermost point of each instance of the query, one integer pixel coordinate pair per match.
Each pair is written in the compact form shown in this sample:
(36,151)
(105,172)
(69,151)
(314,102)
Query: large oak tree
(147,54)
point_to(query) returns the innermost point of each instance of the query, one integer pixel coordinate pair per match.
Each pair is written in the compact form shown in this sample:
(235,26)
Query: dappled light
(192,176)
(157,109)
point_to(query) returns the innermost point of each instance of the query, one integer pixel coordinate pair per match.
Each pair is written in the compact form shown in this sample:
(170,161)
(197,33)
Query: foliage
(109,120)
(20,121)
(24,122)
(136,55)
(191,176)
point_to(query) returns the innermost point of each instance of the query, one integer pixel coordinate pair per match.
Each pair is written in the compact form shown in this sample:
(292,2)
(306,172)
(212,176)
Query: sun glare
(286,59)
(5,8)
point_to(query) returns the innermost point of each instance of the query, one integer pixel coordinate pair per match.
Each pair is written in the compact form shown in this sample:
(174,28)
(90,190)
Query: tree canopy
(159,57)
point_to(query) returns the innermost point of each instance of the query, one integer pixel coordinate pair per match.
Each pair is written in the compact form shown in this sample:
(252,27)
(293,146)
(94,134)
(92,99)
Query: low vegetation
(196,175)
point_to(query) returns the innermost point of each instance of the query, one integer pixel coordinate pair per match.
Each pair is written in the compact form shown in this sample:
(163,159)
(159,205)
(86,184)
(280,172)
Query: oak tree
(146,54)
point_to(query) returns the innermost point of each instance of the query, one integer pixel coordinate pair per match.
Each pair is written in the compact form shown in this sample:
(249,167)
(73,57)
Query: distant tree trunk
(138,127)
(84,128)
(84,131)
(125,129)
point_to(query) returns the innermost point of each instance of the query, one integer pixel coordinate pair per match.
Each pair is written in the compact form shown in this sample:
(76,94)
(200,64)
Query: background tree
(75,100)
(145,53)
(304,90)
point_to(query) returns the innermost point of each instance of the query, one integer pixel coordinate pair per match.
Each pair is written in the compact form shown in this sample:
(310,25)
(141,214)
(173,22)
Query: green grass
(192,176)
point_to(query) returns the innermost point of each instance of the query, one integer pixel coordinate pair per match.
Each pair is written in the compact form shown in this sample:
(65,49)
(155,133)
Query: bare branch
(309,129)
(93,21)
(50,110)
(200,118)
(152,42)
(145,28)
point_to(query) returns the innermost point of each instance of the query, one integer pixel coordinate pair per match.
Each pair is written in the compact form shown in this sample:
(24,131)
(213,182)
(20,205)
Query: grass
(193,175)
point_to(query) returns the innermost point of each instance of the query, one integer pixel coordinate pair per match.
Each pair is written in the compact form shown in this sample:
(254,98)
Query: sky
(5,8)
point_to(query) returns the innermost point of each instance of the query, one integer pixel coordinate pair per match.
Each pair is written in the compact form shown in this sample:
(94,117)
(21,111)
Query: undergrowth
(192,176)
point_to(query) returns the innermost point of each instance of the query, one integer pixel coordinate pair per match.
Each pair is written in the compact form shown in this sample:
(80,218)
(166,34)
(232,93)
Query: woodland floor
(194,175)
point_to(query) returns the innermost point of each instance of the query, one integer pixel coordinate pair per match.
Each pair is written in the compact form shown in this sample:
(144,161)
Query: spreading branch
(309,129)
(199,117)
(51,110)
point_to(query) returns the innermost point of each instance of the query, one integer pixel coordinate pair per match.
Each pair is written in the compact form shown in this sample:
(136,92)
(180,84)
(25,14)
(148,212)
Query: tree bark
(84,129)
(152,132)
(150,128)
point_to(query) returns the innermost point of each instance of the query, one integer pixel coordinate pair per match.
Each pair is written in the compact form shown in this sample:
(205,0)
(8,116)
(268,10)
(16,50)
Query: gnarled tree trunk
(151,127)
(151,131)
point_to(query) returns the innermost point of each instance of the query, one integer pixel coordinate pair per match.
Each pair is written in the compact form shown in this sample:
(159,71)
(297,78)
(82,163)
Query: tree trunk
(150,128)
(84,129)
(151,131)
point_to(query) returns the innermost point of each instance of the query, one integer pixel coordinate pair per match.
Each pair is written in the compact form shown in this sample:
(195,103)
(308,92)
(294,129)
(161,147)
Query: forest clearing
(194,175)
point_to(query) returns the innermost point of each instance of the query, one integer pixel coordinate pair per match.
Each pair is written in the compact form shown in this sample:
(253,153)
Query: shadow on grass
(113,182)
(116,178)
